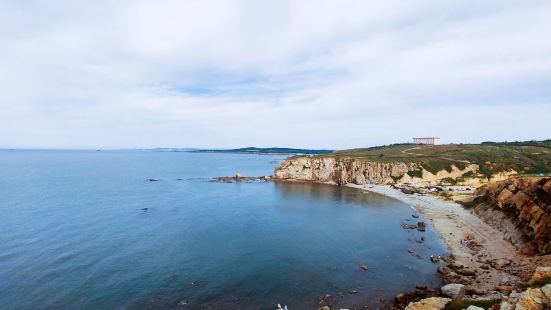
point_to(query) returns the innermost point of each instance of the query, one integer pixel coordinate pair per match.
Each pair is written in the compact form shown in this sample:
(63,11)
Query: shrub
(448,181)
(416,173)
(469,175)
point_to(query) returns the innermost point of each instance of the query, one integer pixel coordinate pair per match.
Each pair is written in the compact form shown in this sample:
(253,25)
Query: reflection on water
(73,235)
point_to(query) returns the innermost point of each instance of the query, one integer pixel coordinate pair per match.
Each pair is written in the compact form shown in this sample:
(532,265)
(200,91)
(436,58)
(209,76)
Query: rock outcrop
(432,303)
(538,298)
(342,170)
(521,209)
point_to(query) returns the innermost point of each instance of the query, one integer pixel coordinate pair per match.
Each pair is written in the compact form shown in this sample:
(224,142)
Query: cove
(74,234)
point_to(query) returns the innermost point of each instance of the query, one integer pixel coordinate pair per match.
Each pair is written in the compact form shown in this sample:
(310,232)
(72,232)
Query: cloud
(332,74)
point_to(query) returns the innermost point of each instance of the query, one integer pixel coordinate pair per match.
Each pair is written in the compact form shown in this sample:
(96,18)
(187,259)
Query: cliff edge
(453,164)
(521,209)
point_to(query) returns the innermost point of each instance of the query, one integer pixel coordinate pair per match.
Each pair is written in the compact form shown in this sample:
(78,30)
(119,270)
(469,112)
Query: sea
(143,229)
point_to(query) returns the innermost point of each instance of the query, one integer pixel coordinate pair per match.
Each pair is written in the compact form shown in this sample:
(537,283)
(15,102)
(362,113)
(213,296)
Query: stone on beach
(541,274)
(471,307)
(453,290)
(432,303)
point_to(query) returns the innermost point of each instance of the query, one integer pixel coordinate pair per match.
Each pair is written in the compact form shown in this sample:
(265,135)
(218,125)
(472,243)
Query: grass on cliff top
(530,157)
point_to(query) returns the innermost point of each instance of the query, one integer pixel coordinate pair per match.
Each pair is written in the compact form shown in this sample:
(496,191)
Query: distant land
(269,150)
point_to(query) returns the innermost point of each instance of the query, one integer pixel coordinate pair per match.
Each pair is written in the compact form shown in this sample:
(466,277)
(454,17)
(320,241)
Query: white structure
(429,140)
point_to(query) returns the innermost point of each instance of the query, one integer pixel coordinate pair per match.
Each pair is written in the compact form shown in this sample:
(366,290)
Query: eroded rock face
(432,303)
(521,208)
(535,299)
(360,171)
(341,170)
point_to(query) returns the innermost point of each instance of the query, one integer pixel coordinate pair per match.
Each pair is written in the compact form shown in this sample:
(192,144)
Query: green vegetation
(529,157)
(416,173)
(463,303)
(396,178)
(448,181)
(469,175)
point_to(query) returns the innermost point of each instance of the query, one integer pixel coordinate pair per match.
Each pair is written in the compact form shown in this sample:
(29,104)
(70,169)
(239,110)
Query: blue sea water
(73,235)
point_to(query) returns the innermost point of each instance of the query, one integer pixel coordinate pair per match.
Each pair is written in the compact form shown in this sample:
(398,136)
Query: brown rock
(432,303)
(520,199)
(504,198)
(505,289)
(541,274)
(547,186)
(535,299)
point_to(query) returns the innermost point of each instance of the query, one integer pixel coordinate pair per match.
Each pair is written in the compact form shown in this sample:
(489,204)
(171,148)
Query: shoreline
(496,262)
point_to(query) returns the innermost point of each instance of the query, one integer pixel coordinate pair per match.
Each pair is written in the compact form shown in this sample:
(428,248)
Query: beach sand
(454,224)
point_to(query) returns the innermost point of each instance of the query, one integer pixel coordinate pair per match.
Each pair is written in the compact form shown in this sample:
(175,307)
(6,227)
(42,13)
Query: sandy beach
(494,261)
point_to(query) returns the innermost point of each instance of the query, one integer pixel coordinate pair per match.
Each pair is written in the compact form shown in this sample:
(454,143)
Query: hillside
(470,164)
(531,157)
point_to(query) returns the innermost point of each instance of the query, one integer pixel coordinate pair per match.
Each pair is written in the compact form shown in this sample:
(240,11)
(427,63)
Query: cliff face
(521,208)
(342,170)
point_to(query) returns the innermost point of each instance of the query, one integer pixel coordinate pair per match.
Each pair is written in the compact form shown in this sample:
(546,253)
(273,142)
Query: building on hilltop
(428,140)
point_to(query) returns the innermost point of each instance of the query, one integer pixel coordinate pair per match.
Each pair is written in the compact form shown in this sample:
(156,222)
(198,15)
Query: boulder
(540,274)
(453,290)
(535,299)
(504,198)
(471,307)
(432,303)
(466,272)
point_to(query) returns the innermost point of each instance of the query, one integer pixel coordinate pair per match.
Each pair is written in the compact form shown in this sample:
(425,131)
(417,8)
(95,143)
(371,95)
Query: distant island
(269,150)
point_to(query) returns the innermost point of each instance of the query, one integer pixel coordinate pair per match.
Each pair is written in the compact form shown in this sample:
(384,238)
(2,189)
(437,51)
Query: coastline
(496,262)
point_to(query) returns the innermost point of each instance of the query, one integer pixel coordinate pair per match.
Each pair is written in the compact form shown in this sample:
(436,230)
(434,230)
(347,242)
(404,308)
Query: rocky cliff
(521,208)
(342,170)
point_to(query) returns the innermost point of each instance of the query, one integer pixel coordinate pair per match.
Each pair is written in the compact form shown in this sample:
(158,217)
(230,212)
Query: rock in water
(421,226)
(432,303)
(453,290)
(364,267)
(182,302)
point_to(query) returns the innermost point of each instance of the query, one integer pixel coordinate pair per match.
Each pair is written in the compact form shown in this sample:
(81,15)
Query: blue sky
(317,74)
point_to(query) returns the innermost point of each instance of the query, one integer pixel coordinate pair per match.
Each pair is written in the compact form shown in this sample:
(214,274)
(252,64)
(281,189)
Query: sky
(308,74)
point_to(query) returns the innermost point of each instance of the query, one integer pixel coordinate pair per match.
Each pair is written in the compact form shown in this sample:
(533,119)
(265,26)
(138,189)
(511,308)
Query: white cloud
(329,74)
